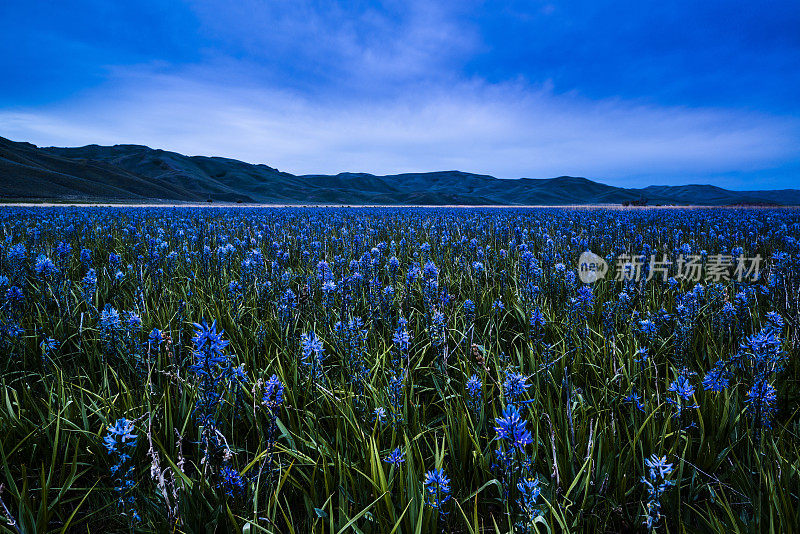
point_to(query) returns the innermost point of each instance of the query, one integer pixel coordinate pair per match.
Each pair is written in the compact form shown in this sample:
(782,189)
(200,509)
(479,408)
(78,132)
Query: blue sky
(628,93)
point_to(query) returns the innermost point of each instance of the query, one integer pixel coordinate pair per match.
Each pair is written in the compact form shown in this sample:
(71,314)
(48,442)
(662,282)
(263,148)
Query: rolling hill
(135,173)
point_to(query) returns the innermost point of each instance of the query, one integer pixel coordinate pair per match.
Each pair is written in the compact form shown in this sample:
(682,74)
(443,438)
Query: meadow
(390,370)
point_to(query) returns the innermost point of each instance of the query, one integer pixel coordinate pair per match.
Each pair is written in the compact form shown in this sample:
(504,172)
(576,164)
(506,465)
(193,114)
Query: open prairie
(385,370)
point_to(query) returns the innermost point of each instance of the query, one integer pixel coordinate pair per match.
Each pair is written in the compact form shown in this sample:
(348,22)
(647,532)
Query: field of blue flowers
(397,371)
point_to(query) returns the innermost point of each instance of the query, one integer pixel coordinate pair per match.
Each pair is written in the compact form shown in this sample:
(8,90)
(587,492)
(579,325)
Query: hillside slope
(136,173)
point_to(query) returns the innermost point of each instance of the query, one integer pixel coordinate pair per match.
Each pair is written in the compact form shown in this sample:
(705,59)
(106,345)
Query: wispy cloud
(508,130)
(529,89)
(324,47)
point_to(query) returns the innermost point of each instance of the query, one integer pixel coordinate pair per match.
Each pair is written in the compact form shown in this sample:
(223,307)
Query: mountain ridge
(138,173)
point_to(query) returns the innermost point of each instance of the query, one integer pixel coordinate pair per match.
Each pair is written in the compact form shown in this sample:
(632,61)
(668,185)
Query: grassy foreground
(389,370)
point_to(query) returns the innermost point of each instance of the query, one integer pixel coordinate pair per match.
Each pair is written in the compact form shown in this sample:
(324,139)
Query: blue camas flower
(16,257)
(45,268)
(438,330)
(380,416)
(48,347)
(207,340)
(775,322)
(656,484)
(474,386)
(515,386)
(86,257)
(273,393)
(437,489)
(763,350)
(401,340)
(111,330)
(469,311)
(155,338)
(214,370)
(498,306)
(511,427)
(537,322)
(682,387)
(635,399)
(760,401)
(120,435)
(231,482)
(313,355)
(474,389)
(395,391)
(529,491)
(120,442)
(272,399)
(717,379)
(684,391)
(89,287)
(396,457)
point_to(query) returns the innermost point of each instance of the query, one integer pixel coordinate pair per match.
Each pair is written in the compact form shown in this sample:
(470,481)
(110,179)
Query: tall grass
(326,471)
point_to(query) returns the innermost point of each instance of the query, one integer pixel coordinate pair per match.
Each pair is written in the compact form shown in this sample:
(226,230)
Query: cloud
(515,90)
(507,130)
(360,47)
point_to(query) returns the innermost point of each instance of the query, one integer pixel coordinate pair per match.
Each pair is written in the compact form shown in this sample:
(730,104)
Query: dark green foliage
(328,474)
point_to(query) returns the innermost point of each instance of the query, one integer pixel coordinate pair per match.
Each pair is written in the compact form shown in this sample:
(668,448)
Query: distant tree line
(640,202)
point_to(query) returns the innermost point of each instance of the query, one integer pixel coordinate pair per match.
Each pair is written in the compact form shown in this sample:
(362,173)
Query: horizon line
(311,175)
